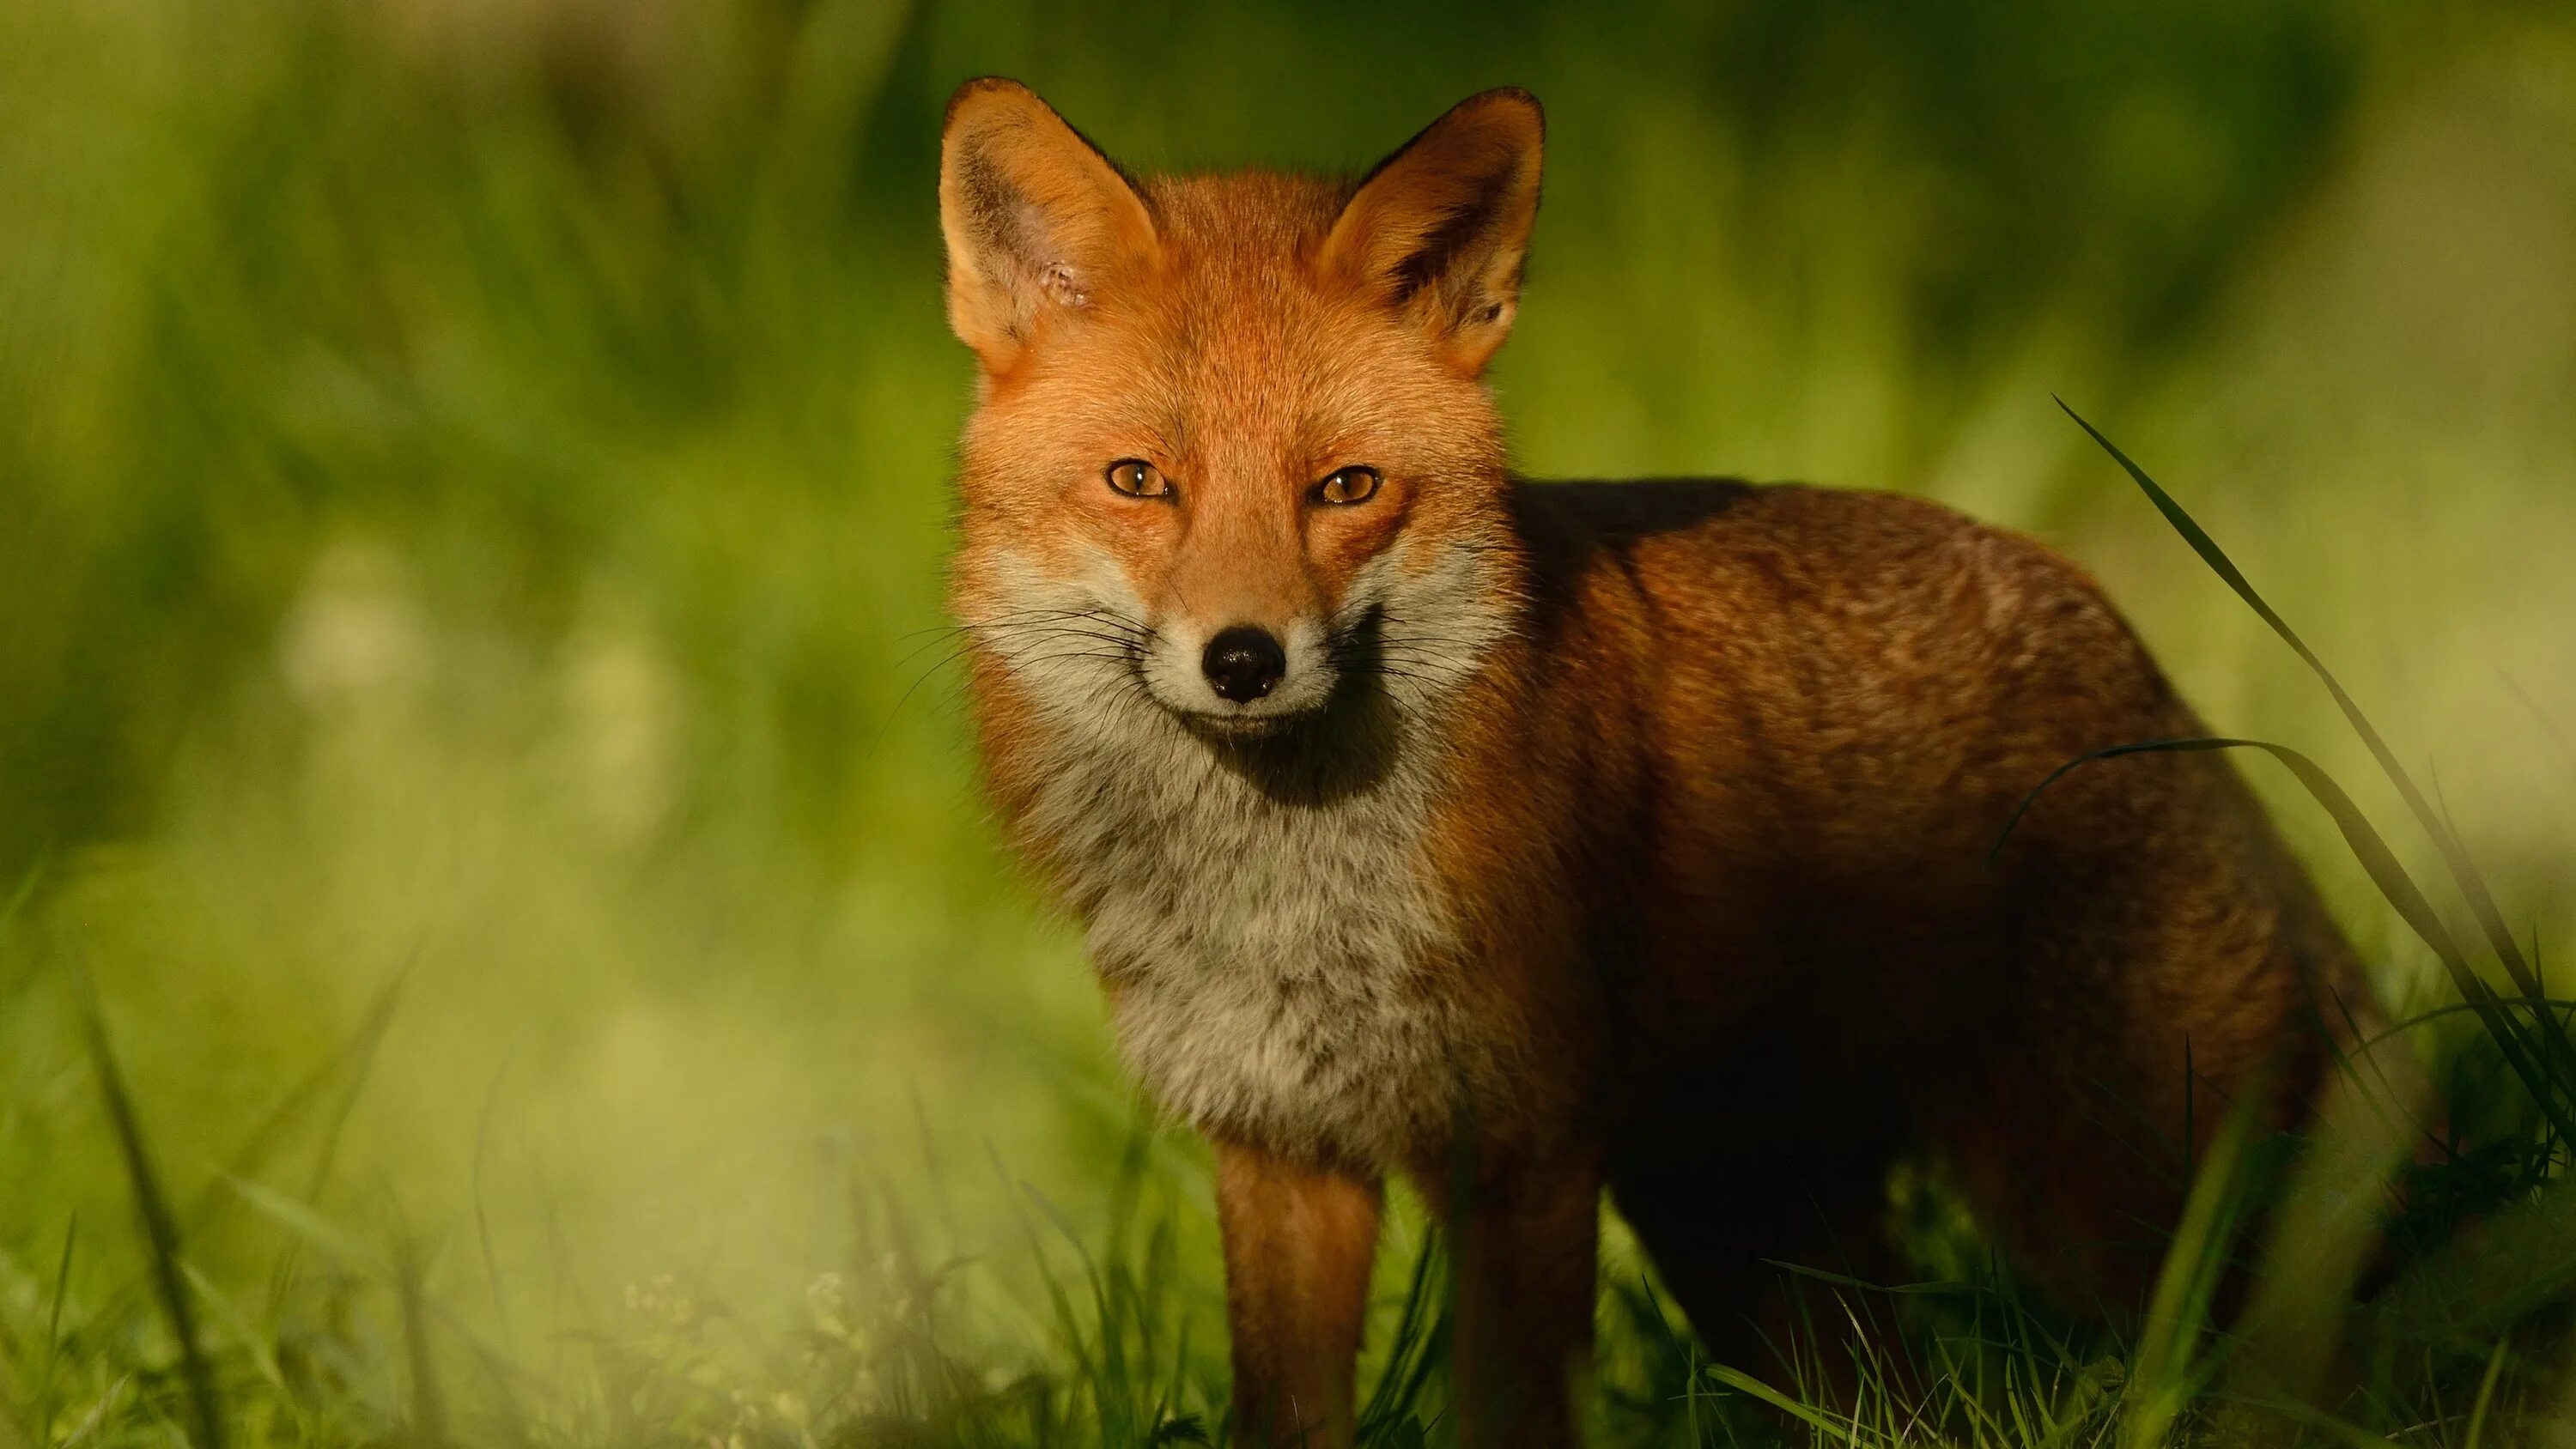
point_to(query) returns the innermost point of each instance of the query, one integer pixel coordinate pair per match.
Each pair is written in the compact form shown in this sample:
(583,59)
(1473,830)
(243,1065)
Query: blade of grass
(508,1419)
(1066,1322)
(2321,1233)
(203,1213)
(2472,883)
(2486,1393)
(2167,1371)
(353,1057)
(107,1403)
(357,1058)
(152,1211)
(54,1334)
(1832,1426)
(300,1218)
(230,1315)
(2431,1014)
(1417,1347)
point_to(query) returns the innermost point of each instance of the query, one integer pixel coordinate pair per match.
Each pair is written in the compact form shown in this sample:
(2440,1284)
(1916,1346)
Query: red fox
(1634,837)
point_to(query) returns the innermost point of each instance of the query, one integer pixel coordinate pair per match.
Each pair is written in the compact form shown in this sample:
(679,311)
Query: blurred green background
(474,482)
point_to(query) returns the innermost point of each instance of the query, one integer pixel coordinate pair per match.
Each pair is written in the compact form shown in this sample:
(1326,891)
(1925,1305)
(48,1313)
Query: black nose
(1244,663)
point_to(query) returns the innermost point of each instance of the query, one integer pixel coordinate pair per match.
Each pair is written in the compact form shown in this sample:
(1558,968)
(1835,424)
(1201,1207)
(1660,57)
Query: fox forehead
(1235,353)
(1240,226)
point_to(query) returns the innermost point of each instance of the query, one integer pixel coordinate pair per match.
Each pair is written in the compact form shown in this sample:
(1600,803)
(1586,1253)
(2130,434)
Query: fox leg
(1718,1233)
(1299,1241)
(1526,1254)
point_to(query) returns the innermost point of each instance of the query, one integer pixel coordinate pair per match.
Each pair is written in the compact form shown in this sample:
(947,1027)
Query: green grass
(501,943)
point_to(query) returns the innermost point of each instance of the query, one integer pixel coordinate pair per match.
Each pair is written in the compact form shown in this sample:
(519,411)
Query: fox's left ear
(1440,227)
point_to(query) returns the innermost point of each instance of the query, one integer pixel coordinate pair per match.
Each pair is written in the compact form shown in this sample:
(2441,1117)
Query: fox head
(1233,454)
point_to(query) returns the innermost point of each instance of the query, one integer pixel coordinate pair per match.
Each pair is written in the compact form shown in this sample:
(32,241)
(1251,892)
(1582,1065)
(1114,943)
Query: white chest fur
(1281,963)
(1274,956)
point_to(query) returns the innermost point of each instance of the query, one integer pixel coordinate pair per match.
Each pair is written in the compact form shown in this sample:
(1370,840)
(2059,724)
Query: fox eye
(1138,479)
(1355,484)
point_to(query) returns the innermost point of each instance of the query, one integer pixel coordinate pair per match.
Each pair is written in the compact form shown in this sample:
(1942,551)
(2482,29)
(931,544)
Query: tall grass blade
(2167,1372)
(229,1314)
(160,1231)
(352,1059)
(2323,1230)
(1067,1323)
(2464,871)
(300,1218)
(1416,1349)
(203,1214)
(1831,1428)
(356,1058)
(2486,1394)
(54,1334)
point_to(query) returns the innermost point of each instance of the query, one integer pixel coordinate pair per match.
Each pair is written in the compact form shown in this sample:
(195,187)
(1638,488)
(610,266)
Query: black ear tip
(1514,98)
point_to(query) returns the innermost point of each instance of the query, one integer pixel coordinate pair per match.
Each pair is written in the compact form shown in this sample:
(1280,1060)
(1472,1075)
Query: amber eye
(1355,484)
(1138,479)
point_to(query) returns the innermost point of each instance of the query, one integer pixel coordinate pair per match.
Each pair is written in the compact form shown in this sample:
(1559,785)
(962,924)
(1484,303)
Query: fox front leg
(1299,1241)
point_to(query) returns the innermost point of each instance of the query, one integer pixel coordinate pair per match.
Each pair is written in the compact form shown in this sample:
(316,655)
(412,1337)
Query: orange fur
(1627,836)
(1298,1244)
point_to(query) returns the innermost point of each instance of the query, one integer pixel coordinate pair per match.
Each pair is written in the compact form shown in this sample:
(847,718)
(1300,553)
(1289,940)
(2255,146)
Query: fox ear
(1440,227)
(1037,221)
